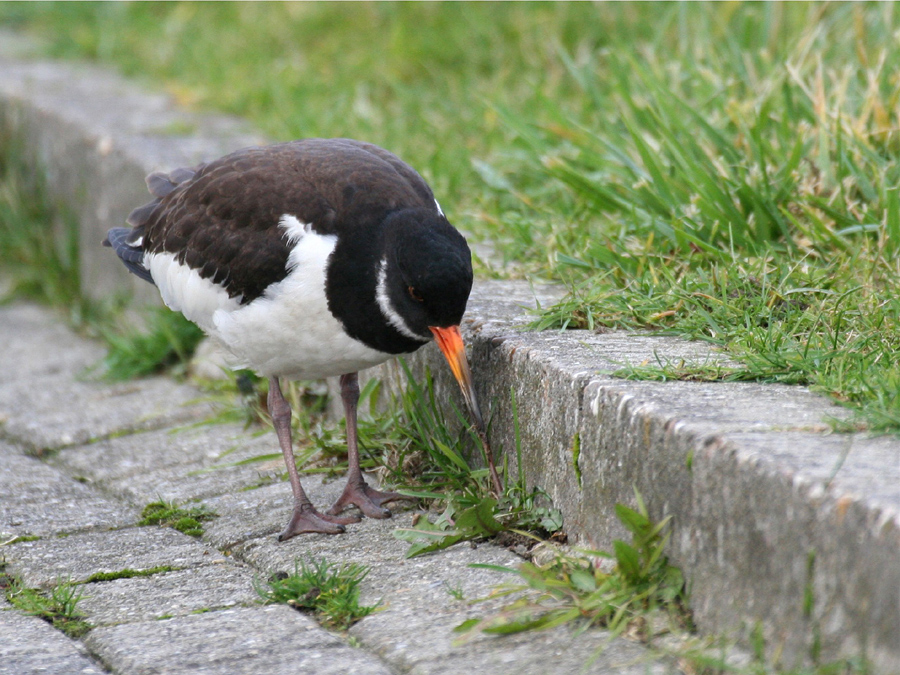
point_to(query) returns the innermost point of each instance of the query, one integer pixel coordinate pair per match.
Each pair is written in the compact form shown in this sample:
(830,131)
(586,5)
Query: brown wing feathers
(222,218)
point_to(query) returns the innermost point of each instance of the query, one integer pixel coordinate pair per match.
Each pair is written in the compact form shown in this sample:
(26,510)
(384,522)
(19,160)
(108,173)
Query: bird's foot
(306,519)
(369,500)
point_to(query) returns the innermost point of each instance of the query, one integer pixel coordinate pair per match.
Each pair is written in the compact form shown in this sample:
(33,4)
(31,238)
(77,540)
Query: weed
(167,340)
(456,592)
(471,511)
(329,591)
(39,250)
(20,538)
(38,244)
(575,589)
(127,574)
(58,605)
(186,520)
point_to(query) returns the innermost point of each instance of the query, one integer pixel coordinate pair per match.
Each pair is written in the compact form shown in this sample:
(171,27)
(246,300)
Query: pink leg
(305,517)
(357,492)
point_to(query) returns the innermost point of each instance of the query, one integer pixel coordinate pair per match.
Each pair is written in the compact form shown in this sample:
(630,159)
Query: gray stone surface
(29,646)
(37,344)
(55,409)
(272,639)
(168,594)
(534,653)
(176,465)
(38,500)
(42,563)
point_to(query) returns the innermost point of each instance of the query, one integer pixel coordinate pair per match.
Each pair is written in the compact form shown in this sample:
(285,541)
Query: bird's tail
(128,243)
(130,254)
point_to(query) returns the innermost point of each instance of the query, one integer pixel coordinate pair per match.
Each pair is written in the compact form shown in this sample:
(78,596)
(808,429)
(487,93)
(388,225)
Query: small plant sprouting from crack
(58,605)
(472,512)
(167,514)
(576,589)
(127,574)
(328,590)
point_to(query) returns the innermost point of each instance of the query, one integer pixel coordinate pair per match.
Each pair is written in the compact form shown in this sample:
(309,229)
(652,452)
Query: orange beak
(451,344)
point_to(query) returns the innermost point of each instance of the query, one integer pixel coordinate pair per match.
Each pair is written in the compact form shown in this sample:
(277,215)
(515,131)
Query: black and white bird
(304,260)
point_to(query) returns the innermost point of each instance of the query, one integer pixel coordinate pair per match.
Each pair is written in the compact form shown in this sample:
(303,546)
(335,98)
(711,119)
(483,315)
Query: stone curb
(776,522)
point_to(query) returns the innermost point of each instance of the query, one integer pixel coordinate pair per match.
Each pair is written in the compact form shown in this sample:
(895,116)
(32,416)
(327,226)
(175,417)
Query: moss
(127,574)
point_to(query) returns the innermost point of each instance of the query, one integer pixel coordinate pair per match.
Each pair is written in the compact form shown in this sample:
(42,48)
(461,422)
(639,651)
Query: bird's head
(425,280)
(428,268)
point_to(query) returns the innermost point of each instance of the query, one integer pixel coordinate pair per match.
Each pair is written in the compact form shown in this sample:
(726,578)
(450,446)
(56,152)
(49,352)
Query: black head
(427,270)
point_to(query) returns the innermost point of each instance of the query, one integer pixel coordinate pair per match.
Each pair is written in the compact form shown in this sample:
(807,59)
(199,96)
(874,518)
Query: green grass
(659,159)
(329,591)
(188,520)
(38,242)
(638,595)
(127,573)
(57,605)
(443,474)
(574,589)
(166,342)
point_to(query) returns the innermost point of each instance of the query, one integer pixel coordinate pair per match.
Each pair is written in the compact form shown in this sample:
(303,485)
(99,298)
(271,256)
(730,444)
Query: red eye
(414,295)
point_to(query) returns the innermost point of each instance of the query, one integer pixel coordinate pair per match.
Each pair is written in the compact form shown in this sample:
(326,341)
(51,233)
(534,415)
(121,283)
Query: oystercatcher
(304,260)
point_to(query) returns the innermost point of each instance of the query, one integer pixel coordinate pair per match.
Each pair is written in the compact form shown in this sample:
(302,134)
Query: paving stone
(409,638)
(273,639)
(29,645)
(432,646)
(98,136)
(38,500)
(136,454)
(259,513)
(168,594)
(175,465)
(429,650)
(41,563)
(738,466)
(53,411)
(369,542)
(37,344)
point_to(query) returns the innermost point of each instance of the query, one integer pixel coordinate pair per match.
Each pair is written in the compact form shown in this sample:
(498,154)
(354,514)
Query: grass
(430,458)
(166,342)
(127,573)
(329,591)
(57,605)
(166,514)
(574,589)
(38,242)
(723,172)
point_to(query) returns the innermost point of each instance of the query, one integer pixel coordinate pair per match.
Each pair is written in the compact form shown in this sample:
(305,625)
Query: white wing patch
(185,291)
(294,230)
(289,331)
(440,210)
(387,309)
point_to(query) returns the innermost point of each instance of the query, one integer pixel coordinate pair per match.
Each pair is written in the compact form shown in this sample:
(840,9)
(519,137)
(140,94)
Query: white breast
(289,330)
